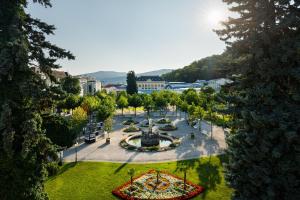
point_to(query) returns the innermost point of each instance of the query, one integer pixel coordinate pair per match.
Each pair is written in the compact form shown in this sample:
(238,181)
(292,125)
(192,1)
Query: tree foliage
(131,83)
(264,100)
(71,85)
(122,102)
(106,109)
(24,148)
(59,130)
(211,67)
(135,101)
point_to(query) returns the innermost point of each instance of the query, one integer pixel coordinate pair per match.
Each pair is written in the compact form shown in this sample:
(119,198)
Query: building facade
(89,85)
(148,84)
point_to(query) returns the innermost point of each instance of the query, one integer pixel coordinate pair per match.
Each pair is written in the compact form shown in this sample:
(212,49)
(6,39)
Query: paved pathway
(200,146)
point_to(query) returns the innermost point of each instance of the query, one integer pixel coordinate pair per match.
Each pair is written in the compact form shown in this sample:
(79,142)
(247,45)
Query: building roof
(59,74)
(151,78)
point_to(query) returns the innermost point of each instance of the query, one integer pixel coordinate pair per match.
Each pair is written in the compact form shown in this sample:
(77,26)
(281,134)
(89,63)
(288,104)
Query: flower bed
(130,121)
(169,187)
(163,121)
(131,128)
(168,127)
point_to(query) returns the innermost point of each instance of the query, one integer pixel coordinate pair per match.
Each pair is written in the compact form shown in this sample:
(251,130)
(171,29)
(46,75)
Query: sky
(139,35)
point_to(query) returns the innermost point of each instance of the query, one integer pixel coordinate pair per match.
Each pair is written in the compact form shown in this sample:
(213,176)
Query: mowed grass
(96,180)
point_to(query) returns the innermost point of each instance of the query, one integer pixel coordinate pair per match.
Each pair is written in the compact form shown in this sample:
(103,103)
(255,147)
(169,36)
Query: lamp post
(76,145)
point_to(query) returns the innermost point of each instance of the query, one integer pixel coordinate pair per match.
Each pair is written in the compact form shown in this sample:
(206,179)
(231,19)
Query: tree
(184,107)
(131,173)
(71,102)
(78,119)
(90,104)
(122,103)
(135,101)
(148,103)
(174,98)
(71,85)
(59,130)
(25,150)
(264,148)
(161,102)
(131,83)
(106,109)
(191,97)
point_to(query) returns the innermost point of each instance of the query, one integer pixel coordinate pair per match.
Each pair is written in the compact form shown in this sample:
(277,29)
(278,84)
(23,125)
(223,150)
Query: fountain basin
(134,142)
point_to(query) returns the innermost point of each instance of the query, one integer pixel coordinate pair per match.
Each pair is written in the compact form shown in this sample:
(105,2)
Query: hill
(120,77)
(211,67)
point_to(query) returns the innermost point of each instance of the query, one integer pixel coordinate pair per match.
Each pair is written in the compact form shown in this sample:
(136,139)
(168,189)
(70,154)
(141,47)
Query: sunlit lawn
(96,180)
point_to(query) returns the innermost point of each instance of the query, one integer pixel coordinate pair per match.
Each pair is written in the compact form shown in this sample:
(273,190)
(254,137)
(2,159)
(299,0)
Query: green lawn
(96,180)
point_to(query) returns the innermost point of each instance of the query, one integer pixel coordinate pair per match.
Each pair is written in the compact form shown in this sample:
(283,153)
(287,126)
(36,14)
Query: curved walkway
(202,145)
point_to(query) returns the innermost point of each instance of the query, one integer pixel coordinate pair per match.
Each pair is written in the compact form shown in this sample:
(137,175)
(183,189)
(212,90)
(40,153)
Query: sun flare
(214,17)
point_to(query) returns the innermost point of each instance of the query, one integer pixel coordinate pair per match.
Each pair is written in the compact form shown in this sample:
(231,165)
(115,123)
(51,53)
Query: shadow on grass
(63,169)
(125,163)
(208,171)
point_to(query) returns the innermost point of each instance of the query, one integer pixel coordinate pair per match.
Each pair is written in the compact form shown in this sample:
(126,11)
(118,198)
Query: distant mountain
(100,75)
(156,72)
(120,77)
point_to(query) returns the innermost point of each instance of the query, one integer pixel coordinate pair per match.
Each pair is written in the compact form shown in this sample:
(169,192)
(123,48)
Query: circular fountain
(150,140)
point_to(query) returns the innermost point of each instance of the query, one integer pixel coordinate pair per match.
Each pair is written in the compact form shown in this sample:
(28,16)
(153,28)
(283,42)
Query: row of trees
(195,105)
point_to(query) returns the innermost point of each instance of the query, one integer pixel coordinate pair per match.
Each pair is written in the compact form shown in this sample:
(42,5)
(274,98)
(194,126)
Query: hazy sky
(140,35)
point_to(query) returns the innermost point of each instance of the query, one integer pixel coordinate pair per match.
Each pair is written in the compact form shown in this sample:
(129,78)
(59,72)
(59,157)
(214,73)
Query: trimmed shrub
(163,121)
(130,121)
(168,127)
(131,128)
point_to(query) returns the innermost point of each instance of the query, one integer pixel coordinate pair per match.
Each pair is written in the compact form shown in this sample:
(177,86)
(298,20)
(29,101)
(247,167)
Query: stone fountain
(151,137)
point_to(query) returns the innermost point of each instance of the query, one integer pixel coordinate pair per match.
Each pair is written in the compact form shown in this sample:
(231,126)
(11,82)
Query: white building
(148,84)
(89,86)
(58,75)
(217,83)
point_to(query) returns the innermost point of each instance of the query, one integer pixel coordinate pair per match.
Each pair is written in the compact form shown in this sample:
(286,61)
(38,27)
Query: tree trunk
(135,111)
(184,180)
(211,130)
(122,111)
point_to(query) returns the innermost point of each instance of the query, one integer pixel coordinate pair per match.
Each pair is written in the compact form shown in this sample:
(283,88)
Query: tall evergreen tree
(131,83)
(24,148)
(264,149)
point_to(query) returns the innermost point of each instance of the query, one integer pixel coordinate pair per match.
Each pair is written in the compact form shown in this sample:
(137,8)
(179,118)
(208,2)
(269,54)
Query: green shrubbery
(52,168)
(168,127)
(131,128)
(59,130)
(130,121)
(163,121)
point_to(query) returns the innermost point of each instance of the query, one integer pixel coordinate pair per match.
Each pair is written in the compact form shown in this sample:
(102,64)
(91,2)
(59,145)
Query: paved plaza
(202,145)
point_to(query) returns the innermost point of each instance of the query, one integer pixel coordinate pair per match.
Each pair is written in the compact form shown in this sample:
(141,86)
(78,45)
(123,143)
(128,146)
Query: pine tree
(24,148)
(131,83)
(264,147)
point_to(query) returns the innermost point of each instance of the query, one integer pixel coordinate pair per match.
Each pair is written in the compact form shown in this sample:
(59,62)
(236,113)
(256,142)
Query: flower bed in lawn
(131,128)
(163,121)
(169,187)
(168,127)
(129,122)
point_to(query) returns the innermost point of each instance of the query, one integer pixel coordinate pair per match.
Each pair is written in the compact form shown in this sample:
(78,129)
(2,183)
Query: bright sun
(214,17)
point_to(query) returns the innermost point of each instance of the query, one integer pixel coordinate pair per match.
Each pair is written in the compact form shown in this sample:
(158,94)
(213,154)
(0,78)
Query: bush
(52,168)
(59,130)
(131,128)
(168,127)
(130,121)
(163,121)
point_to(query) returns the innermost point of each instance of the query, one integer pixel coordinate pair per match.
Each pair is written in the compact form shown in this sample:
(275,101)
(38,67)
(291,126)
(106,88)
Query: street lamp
(76,145)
